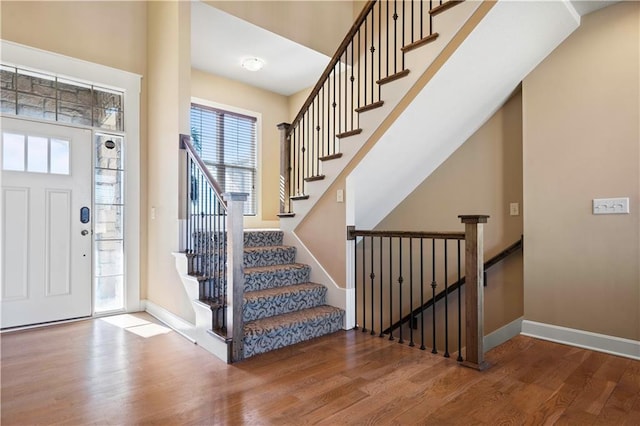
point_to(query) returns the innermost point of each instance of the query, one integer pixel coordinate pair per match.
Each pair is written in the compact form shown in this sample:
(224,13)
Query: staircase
(280,306)
(459,75)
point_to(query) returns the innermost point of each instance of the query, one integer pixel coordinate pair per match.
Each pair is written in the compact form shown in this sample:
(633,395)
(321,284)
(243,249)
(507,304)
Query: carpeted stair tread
(274,268)
(263,277)
(281,300)
(290,289)
(276,322)
(268,255)
(275,332)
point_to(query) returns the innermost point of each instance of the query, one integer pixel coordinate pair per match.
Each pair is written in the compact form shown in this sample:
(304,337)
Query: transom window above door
(47,97)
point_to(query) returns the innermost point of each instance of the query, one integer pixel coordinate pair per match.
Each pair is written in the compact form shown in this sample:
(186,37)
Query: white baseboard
(179,325)
(583,339)
(502,334)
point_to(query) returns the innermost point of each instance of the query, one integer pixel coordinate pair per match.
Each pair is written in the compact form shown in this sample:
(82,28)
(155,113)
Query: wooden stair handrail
(185,143)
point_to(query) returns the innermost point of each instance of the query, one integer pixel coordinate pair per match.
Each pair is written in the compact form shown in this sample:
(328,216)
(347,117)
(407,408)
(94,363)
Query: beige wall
(108,33)
(582,141)
(104,32)
(320,25)
(274,109)
(169,99)
(482,177)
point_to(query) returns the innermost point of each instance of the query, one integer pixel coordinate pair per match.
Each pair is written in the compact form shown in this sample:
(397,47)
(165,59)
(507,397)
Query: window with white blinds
(226,142)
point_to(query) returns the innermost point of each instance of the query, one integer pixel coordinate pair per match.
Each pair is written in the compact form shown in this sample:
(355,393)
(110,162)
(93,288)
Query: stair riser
(283,303)
(251,239)
(263,238)
(275,256)
(272,279)
(275,339)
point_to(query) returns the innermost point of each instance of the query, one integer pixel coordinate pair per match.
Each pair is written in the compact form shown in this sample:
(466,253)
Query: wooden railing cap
(473,218)
(284,126)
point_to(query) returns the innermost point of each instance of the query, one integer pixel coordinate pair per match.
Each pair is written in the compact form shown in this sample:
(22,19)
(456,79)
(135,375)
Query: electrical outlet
(340,196)
(514,209)
(611,205)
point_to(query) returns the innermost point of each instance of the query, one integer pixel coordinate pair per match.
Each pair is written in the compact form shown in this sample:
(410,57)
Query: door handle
(84,232)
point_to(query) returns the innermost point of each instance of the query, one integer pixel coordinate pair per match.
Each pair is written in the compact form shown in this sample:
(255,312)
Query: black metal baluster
(459,310)
(346,91)
(224,271)
(412,19)
(422,295)
(327,121)
(352,79)
(380,283)
(364,286)
(200,224)
(390,287)
(433,292)
(215,211)
(310,171)
(403,15)
(365,62)
(387,37)
(379,46)
(400,281)
(315,153)
(411,318)
(373,52)
(359,74)
(430,18)
(333,106)
(299,190)
(210,247)
(318,133)
(339,97)
(395,36)
(188,242)
(421,19)
(372,276)
(446,302)
(321,121)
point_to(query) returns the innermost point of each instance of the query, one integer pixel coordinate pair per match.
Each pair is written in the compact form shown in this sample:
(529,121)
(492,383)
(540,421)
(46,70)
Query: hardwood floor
(94,372)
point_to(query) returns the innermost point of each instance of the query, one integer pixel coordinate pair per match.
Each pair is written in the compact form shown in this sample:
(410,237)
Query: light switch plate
(611,205)
(340,196)
(514,209)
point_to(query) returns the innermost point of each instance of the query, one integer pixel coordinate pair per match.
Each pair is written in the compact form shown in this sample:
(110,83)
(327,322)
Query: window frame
(207,104)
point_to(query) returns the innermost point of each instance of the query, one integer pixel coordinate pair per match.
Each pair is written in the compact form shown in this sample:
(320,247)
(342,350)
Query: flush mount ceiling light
(252,64)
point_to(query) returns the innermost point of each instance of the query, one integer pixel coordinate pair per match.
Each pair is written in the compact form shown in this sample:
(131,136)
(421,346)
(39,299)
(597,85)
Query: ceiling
(220,41)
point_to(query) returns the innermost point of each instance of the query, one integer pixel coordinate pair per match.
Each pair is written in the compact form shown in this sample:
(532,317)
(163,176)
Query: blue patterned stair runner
(281,307)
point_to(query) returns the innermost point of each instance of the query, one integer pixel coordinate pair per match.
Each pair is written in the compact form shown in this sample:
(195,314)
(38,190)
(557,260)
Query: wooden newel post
(474,290)
(235,273)
(285,168)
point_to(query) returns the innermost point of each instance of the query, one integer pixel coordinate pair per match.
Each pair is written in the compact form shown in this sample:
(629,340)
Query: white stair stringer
(511,40)
(200,333)
(447,24)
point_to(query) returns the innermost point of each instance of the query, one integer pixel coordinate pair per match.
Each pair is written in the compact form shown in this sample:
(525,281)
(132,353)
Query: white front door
(46,222)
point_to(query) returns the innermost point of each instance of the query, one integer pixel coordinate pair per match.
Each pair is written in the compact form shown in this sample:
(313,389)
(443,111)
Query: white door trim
(76,69)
